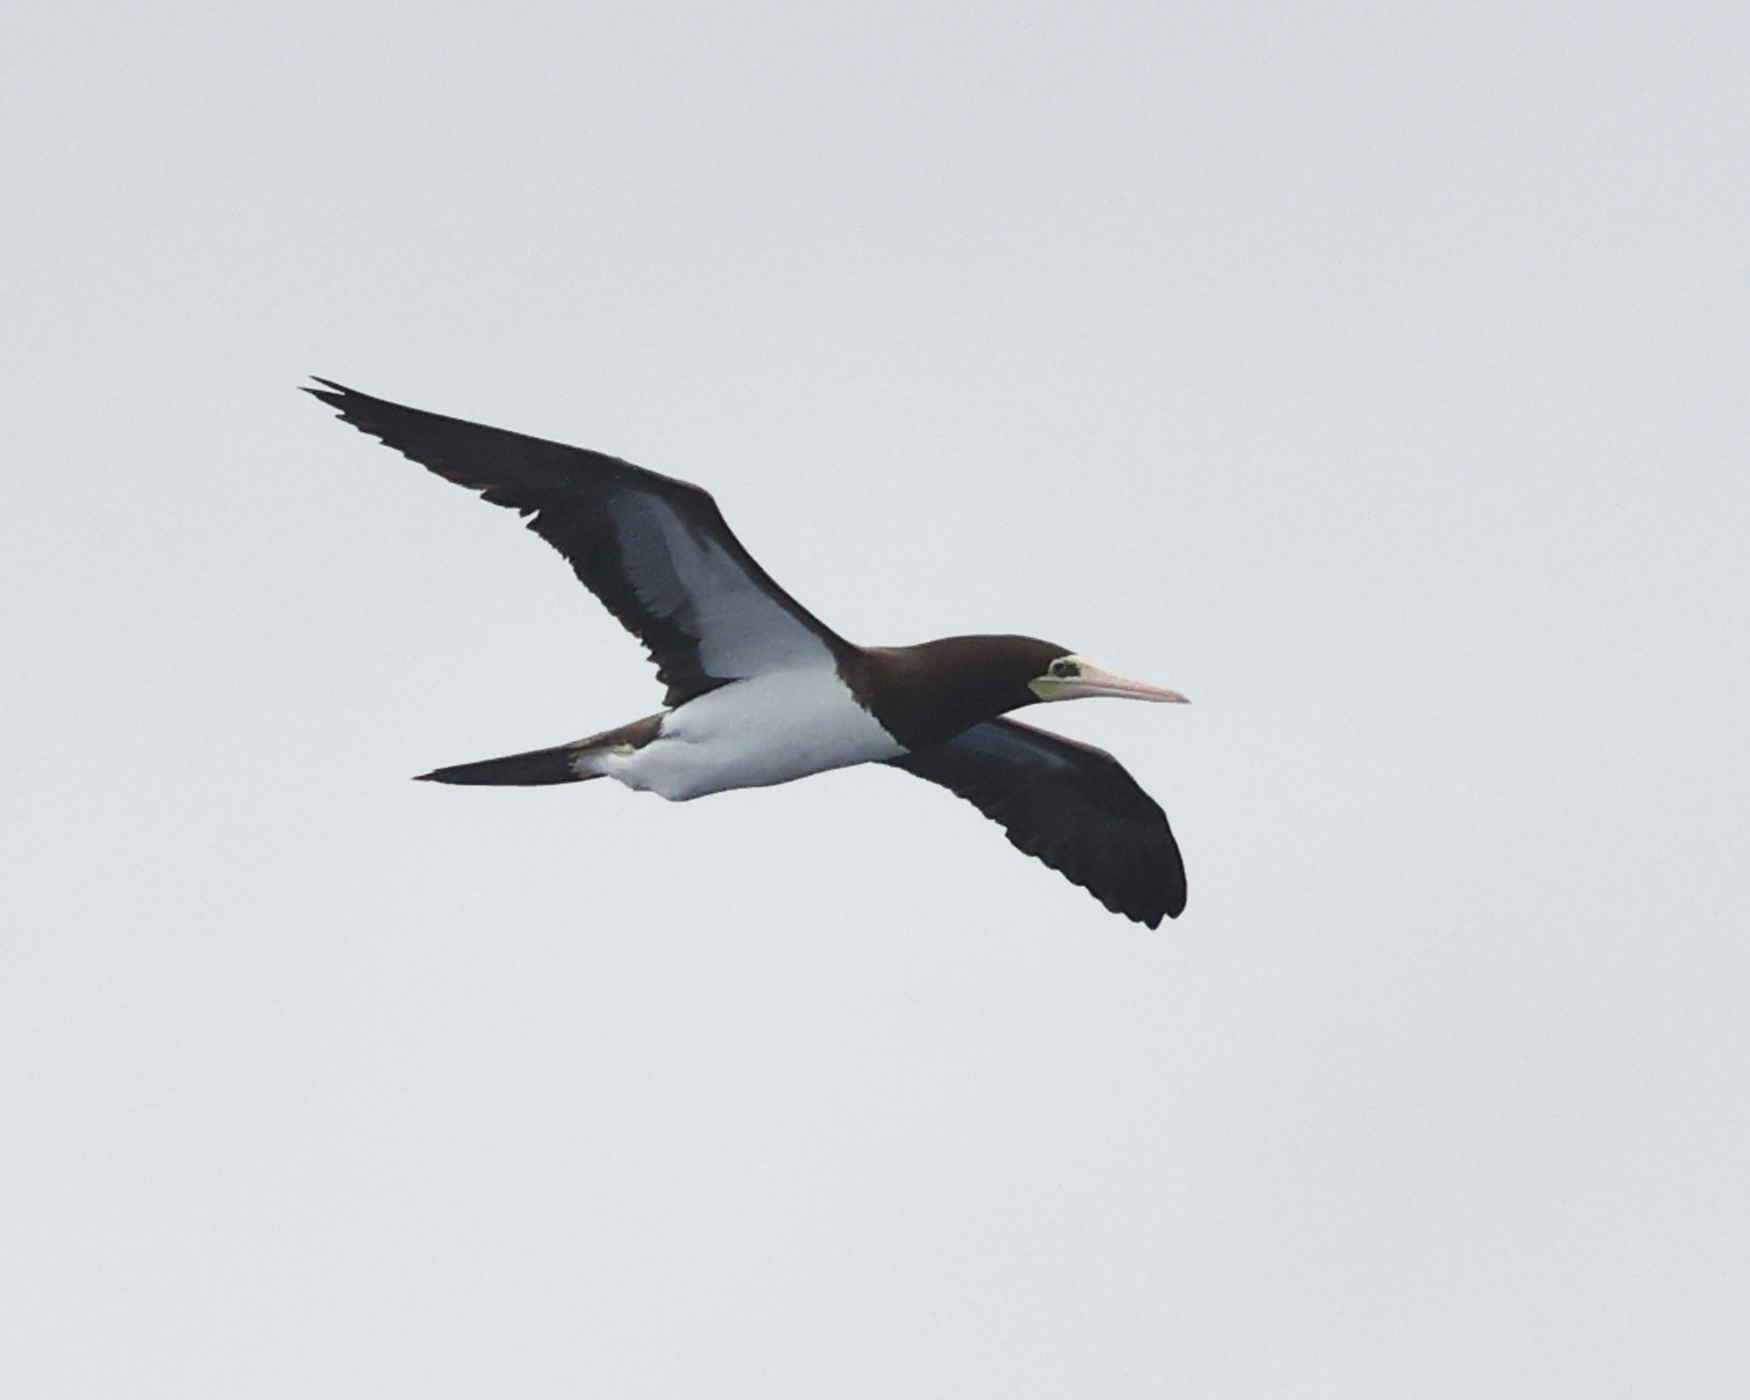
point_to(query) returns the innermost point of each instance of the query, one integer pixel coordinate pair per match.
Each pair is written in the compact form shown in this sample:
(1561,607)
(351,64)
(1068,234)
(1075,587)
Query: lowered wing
(1069,804)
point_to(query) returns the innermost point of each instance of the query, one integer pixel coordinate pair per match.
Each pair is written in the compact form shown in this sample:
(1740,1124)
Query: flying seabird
(760,691)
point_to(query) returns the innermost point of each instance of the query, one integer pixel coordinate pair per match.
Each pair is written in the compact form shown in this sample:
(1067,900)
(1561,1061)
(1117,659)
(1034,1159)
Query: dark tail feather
(535,769)
(543,766)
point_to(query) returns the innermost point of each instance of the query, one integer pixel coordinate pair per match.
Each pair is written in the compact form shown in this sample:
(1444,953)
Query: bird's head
(928,693)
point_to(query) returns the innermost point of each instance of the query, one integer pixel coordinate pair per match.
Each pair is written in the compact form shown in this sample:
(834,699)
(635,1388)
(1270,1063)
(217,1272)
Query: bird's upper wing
(1069,804)
(655,550)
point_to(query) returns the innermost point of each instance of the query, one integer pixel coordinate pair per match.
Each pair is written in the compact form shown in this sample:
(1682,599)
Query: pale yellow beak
(1094,681)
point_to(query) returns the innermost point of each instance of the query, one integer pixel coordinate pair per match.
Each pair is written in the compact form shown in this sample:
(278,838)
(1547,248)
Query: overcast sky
(1375,375)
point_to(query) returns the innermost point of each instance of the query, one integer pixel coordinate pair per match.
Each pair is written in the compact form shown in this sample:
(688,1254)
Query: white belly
(753,733)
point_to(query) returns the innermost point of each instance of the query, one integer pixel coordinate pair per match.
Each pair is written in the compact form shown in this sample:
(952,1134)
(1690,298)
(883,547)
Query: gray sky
(1375,376)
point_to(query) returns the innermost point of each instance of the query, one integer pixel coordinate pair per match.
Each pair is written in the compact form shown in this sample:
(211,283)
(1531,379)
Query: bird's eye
(1063,670)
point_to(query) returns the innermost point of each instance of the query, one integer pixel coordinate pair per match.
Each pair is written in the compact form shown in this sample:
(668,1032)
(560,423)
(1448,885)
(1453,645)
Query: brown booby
(760,691)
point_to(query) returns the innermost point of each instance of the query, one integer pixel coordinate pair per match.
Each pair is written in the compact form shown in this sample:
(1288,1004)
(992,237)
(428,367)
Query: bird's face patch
(1074,677)
(1061,673)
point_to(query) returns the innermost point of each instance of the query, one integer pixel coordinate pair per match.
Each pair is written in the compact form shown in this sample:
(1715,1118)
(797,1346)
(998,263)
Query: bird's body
(771,728)
(760,692)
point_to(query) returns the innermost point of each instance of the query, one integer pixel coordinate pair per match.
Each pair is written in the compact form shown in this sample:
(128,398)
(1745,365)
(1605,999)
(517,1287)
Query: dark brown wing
(656,551)
(1069,804)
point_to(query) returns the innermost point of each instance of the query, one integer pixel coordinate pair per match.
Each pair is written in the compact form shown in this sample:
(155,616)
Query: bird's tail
(568,763)
(534,769)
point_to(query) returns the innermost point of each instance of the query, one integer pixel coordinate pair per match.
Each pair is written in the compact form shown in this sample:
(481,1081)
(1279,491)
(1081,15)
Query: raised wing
(656,551)
(1069,804)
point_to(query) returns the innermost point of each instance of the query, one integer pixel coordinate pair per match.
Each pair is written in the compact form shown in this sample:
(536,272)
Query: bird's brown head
(929,693)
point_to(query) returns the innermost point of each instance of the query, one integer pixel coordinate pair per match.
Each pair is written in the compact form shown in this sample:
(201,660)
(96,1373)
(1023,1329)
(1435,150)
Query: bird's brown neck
(924,695)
